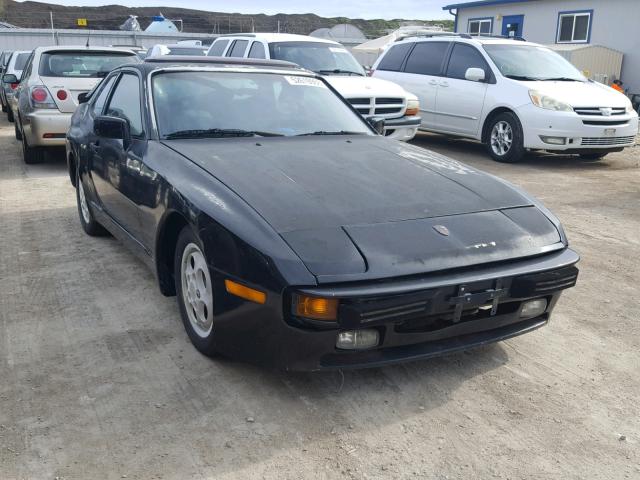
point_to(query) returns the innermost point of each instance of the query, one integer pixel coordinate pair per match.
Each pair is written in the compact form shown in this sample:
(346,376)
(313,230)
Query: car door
(460,101)
(115,166)
(423,75)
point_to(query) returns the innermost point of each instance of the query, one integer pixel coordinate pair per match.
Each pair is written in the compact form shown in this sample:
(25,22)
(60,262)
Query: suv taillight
(41,98)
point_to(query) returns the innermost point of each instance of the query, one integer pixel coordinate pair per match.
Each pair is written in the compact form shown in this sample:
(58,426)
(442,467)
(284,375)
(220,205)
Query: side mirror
(83,97)
(10,78)
(475,74)
(113,127)
(377,124)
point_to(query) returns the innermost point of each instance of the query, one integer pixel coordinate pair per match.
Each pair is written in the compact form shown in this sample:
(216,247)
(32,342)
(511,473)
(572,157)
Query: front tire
(17,131)
(194,290)
(10,115)
(87,220)
(505,140)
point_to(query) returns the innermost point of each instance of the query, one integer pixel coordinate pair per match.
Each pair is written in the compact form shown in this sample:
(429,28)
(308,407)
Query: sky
(388,9)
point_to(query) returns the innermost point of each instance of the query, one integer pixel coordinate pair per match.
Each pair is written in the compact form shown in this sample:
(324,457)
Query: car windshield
(324,58)
(83,64)
(530,62)
(195,104)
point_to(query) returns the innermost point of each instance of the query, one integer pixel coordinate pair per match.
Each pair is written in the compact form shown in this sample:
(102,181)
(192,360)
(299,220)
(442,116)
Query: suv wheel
(17,130)
(194,290)
(30,155)
(10,115)
(505,140)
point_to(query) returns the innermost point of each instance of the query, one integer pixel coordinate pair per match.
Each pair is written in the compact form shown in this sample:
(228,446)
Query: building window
(574,27)
(480,26)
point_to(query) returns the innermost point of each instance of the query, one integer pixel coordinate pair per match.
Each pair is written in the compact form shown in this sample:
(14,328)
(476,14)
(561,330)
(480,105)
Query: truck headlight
(413,107)
(548,103)
(629,107)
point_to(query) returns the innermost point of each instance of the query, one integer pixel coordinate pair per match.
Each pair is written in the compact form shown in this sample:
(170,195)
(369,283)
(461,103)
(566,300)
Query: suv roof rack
(457,35)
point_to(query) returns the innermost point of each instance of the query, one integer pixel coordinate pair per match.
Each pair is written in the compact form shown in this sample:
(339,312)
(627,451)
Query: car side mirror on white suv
(474,74)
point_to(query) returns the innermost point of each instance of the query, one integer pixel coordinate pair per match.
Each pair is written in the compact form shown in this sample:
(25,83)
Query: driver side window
(125,103)
(101,99)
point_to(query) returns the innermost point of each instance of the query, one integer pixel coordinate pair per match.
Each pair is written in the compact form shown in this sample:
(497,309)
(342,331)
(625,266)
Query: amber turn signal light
(316,308)
(247,293)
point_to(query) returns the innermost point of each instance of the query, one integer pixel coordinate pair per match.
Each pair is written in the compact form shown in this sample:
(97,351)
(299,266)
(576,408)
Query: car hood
(371,207)
(581,94)
(358,87)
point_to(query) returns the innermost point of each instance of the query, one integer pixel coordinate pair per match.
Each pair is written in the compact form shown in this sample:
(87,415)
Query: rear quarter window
(393,59)
(21,61)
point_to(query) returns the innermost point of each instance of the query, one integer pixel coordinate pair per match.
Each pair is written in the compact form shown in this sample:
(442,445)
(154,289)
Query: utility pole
(278,26)
(53,33)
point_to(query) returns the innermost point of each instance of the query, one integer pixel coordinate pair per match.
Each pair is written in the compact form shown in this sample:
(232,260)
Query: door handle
(93,146)
(433,82)
(444,84)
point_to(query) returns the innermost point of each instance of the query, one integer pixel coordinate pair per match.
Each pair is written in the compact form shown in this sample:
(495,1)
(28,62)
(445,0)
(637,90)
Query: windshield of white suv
(530,62)
(323,58)
(205,104)
(83,64)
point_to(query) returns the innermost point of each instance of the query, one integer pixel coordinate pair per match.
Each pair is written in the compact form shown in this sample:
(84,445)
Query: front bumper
(403,128)
(582,135)
(39,124)
(416,318)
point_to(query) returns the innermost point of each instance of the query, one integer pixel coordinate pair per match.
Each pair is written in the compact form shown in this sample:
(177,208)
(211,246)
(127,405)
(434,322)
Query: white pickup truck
(372,97)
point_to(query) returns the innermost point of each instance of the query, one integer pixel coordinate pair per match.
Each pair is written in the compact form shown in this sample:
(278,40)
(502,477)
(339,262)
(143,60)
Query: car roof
(77,48)
(169,61)
(464,38)
(279,37)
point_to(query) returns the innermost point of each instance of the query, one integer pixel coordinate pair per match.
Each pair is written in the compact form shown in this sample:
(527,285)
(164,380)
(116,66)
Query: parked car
(47,94)
(16,63)
(177,49)
(4,60)
(302,239)
(511,95)
(371,97)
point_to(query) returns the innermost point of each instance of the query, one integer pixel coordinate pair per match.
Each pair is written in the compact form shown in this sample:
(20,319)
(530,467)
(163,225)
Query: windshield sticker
(337,50)
(305,81)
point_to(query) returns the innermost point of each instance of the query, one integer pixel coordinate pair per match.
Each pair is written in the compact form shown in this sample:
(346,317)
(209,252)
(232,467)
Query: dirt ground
(98,379)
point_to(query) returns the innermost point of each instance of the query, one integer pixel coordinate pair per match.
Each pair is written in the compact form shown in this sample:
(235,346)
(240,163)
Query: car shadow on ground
(448,145)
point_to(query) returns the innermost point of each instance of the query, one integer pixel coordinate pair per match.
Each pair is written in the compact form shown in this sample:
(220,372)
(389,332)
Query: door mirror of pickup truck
(377,124)
(475,74)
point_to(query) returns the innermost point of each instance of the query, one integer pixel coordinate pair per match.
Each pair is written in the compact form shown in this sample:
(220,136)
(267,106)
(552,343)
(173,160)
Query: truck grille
(385,107)
(598,111)
(603,141)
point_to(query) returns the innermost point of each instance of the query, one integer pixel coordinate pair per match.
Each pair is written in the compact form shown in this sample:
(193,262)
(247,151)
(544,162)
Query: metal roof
(482,3)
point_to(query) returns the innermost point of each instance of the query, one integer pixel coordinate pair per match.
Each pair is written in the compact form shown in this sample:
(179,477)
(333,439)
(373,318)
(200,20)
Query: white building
(614,24)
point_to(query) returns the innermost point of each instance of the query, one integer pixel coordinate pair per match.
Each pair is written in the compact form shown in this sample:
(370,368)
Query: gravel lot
(98,378)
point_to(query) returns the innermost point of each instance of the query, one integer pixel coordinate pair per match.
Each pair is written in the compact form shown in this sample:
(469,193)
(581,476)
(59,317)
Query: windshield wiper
(561,79)
(324,132)
(338,70)
(219,132)
(524,78)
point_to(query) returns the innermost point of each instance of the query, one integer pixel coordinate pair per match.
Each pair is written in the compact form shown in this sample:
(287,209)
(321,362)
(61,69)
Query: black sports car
(292,233)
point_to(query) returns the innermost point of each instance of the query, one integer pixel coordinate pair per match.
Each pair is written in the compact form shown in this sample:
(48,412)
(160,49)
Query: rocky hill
(110,17)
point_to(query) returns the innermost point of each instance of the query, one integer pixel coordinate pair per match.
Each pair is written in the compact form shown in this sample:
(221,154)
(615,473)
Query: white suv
(371,97)
(511,95)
